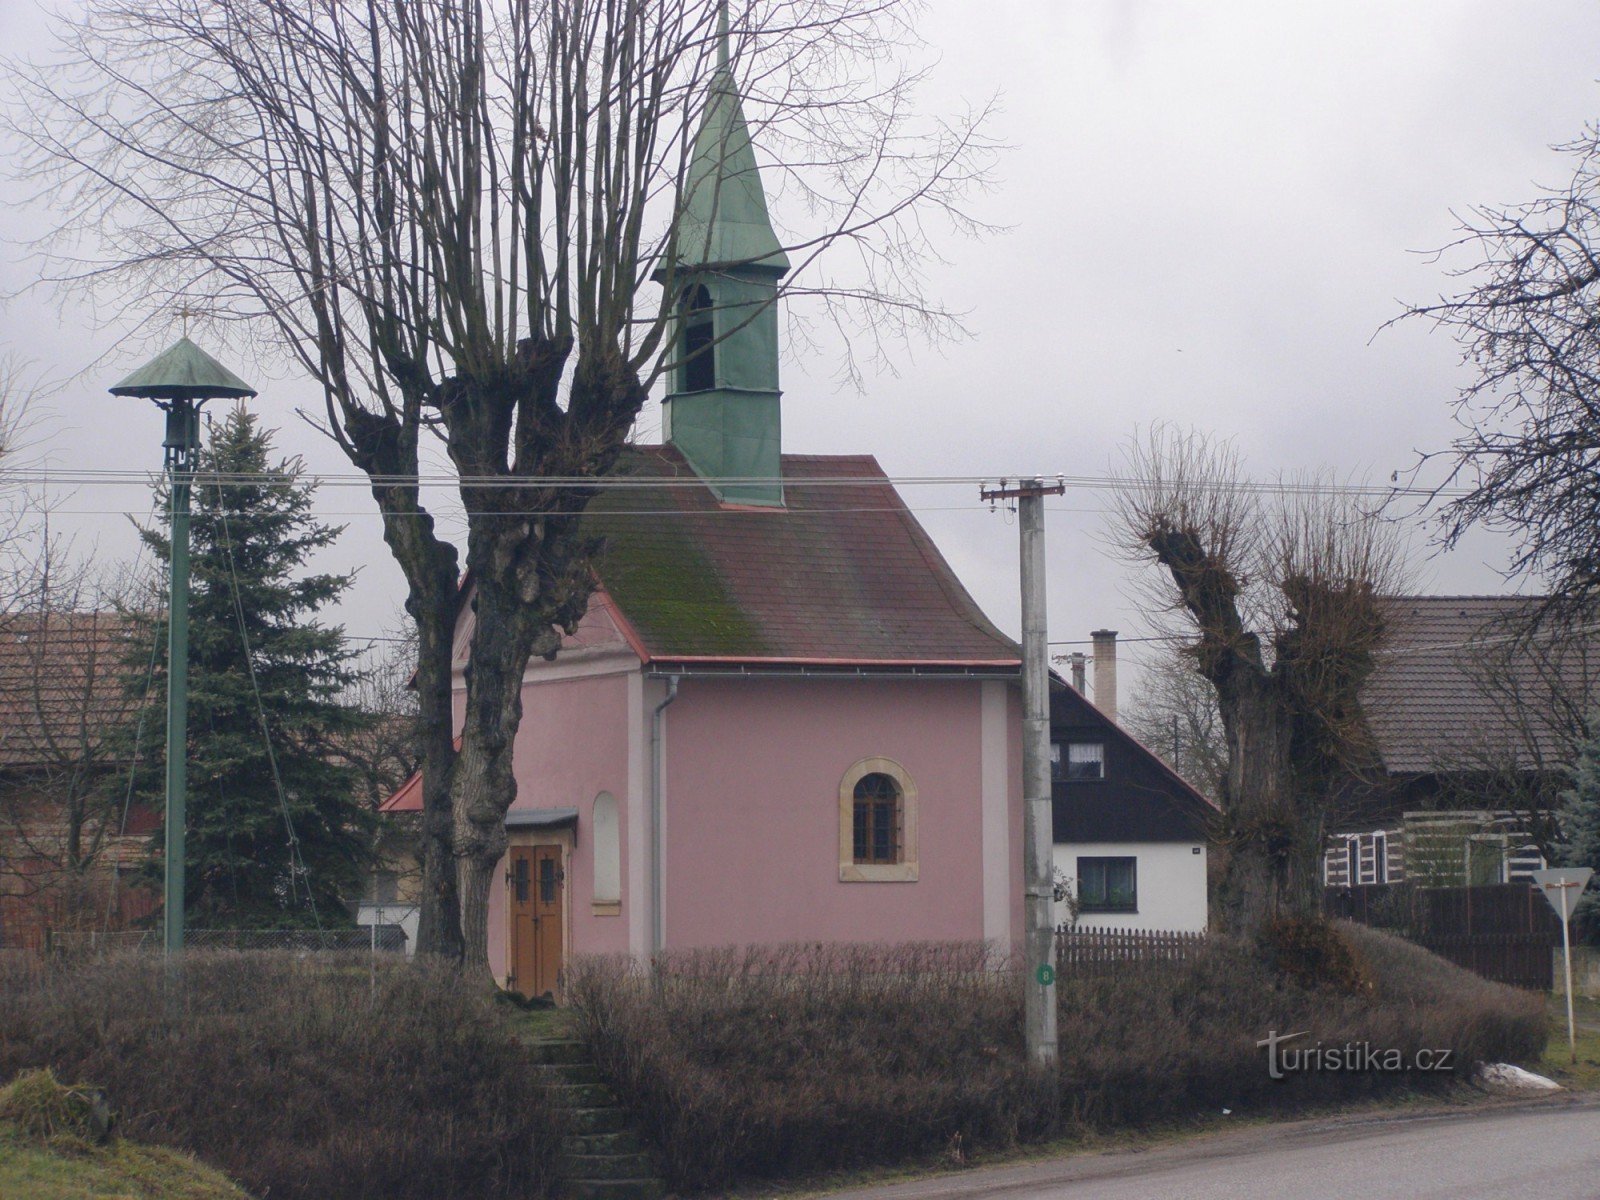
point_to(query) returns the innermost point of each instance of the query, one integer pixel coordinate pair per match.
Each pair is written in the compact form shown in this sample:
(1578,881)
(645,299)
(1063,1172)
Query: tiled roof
(838,575)
(1446,677)
(63,682)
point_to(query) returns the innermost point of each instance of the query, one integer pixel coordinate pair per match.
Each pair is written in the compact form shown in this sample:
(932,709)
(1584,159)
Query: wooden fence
(1090,951)
(1503,931)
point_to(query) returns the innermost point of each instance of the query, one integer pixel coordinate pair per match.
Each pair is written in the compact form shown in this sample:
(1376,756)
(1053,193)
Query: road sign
(1562,886)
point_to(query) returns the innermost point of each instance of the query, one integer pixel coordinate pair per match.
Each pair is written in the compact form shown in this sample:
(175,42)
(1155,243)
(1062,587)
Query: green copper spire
(722,405)
(724,220)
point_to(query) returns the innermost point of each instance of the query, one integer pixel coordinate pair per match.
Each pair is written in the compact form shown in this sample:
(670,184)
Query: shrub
(774,1062)
(1310,952)
(291,1076)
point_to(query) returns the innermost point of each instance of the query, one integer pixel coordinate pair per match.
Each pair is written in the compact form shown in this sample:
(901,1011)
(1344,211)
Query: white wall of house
(403,915)
(1170,884)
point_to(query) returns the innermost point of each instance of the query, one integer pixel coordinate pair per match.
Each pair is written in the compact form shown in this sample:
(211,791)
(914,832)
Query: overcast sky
(1212,207)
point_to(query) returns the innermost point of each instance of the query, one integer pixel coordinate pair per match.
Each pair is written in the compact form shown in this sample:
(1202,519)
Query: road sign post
(1562,887)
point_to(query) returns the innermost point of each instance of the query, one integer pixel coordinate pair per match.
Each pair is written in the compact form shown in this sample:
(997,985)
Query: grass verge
(69,1170)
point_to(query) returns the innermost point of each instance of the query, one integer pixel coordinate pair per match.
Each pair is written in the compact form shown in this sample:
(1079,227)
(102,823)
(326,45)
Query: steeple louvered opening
(697,351)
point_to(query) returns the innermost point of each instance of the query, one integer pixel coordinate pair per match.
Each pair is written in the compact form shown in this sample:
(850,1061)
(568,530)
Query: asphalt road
(1545,1152)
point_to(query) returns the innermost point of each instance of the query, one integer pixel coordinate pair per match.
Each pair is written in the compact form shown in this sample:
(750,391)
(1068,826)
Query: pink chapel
(783,718)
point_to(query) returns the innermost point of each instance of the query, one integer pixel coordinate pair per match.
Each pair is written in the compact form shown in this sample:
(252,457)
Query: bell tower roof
(723,223)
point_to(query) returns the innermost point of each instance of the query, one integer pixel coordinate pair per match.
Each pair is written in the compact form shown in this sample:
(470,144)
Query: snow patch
(1504,1077)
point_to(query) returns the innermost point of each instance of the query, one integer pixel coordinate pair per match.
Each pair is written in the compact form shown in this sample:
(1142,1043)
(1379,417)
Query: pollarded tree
(1280,605)
(454,215)
(279,832)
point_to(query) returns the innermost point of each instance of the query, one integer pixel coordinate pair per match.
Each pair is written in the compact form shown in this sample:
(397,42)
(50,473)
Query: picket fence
(1087,950)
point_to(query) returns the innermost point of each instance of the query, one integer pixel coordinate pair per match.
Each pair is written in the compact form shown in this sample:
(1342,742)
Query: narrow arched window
(879,819)
(699,355)
(607,840)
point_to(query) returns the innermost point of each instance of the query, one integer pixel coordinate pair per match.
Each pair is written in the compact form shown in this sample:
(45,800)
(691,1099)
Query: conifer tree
(278,831)
(1580,829)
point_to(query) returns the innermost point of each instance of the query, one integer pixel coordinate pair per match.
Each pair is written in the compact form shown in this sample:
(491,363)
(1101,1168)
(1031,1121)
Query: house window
(1108,884)
(1380,858)
(1078,762)
(1353,858)
(876,819)
(877,823)
(699,356)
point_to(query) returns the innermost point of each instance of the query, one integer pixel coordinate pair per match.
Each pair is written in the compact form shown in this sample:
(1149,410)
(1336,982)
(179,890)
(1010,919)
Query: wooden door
(537,888)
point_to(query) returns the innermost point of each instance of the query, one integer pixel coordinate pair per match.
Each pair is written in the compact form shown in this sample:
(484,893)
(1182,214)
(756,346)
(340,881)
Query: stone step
(612,1189)
(556,1074)
(581,1095)
(606,1166)
(605,1119)
(558,1050)
(624,1141)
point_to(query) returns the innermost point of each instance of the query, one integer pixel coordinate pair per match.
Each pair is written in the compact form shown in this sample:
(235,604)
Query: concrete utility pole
(1039,928)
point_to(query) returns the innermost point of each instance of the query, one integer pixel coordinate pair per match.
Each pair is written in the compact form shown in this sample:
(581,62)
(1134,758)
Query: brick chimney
(1078,661)
(1105,672)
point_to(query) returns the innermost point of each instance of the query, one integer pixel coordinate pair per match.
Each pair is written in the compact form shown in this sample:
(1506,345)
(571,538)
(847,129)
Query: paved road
(1544,1153)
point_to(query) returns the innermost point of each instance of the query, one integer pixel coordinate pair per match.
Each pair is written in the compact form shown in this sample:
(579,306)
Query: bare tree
(386,752)
(1174,712)
(1280,604)
(449,212)
(65,665)
(1525,315)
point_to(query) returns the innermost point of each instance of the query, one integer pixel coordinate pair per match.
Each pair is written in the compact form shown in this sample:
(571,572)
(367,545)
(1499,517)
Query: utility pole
(1039,929)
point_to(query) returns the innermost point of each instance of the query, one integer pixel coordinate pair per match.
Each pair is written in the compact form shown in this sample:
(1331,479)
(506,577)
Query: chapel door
(537,887)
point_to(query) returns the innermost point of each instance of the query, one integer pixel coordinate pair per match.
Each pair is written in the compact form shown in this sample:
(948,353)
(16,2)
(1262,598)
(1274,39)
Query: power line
(1284,487)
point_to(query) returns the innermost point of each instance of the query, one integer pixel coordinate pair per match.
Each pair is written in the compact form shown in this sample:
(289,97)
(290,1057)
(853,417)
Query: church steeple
(722,404)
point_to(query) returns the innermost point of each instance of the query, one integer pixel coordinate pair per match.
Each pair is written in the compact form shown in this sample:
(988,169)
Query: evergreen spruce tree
(275,839)
(1580,830)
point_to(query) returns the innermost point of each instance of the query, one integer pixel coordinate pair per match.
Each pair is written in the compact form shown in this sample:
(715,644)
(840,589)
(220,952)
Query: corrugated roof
(1432,701)
(838,575)
(63,683)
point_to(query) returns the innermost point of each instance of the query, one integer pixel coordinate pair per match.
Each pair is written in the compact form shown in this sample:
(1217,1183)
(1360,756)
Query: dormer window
(699,356)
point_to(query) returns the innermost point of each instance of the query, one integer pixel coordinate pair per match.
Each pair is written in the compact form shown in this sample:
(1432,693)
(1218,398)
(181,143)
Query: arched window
(876,819)
(607,839)
(877,823)
(699,355)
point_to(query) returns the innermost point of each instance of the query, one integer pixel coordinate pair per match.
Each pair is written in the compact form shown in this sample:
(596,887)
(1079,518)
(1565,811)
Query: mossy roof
(838,575)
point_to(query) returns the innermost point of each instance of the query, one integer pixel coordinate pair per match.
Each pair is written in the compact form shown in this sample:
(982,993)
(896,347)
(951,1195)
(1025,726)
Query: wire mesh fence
(375,939)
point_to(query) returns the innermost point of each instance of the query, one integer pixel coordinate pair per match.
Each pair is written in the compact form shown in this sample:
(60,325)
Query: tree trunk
(439,918)
(1270,832)
(485,785)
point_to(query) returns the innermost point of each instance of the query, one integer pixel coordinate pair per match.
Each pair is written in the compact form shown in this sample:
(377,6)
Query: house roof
(841,575)
(63,683)
(1454,682)
(1141,799)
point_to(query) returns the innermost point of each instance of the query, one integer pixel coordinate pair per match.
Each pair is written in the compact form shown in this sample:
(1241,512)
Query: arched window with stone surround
(878,822)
